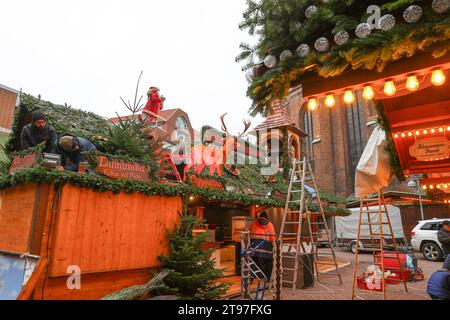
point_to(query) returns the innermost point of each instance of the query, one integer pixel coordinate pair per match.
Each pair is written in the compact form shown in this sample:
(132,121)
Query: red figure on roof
(154,104)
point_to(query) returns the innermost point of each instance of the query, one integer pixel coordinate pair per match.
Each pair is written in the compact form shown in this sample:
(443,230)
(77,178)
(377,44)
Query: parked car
(424,239)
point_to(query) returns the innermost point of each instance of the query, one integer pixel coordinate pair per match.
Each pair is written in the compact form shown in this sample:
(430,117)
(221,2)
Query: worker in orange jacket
(262,233)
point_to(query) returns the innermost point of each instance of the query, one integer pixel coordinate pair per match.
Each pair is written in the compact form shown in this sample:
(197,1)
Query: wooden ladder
(378,220)
(301,173)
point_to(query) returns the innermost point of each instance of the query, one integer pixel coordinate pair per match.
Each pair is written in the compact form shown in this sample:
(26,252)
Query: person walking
(262,234)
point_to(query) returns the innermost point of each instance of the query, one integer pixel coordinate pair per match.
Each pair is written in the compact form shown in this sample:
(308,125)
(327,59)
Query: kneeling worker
(71,148)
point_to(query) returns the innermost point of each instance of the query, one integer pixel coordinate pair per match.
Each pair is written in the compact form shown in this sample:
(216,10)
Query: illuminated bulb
(313,104)
(424,187)
(425,131)
(403,135)
(412,84)
(417,133)
(438,186)
(432,131)
(191,198)
(368,93)
(349,97)
(431,187)
(441,130)
(438,77)
(396,135)
(329,101)
(448,128)
(389,88)
(445,186)
(410,134)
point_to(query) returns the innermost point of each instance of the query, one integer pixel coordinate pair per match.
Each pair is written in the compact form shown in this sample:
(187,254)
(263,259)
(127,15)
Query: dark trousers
(266,265)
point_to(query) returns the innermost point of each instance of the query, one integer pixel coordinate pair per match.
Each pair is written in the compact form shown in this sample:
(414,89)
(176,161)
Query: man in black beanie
(37,132)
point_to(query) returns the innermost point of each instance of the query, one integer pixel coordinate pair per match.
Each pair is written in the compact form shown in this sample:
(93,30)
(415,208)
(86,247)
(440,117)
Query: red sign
(205,183)
(118,169)
(26,161)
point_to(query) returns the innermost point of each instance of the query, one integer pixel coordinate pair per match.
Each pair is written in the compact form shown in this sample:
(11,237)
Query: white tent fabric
(374,169)
(347,227)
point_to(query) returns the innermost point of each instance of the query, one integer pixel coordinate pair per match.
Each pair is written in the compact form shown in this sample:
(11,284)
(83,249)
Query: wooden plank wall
(103,232)
(16,213)
(8,101)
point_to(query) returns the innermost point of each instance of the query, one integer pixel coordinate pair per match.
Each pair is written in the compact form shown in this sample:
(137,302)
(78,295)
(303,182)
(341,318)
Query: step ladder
(250,271)
(377,221)
(157,123)
(295,212)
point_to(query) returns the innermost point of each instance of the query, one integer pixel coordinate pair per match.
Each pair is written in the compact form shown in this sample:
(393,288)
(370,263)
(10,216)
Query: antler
(247,124)
(224,126)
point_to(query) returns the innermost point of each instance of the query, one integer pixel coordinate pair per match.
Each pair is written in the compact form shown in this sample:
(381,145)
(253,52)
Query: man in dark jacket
(71,149)
(444,238)
(37,132)
(439,285)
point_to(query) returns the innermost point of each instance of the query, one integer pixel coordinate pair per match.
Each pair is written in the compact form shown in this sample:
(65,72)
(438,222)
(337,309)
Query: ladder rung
(288,256)
(324,254)
(327,263)
(287,281)
(289,269)
(297,211)
(289,234)
(373,223)
(291,222)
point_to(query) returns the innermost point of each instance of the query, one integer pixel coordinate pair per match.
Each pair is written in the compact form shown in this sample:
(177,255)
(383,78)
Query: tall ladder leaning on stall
(301,174)
(376,220)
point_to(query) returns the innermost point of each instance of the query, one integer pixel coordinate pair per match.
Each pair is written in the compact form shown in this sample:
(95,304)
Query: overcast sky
(88,53)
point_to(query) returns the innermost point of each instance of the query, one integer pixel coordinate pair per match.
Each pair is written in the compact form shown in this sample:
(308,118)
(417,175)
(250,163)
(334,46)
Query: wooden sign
(431,149)
(118,169)
(205,183)
(27,161)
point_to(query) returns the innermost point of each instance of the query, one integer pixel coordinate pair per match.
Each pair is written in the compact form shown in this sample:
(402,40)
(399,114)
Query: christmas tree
(329,37)
(192,274)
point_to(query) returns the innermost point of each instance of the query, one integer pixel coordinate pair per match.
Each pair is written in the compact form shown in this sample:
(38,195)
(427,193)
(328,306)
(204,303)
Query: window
(356,132)
(431,226)
(306,123)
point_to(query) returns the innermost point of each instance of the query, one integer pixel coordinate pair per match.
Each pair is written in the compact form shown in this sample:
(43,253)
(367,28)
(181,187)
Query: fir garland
(430,35)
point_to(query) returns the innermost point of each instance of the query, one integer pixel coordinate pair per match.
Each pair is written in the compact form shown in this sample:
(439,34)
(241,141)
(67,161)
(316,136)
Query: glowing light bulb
(410,134)
(389,88)
(313,104)
(403,135)
(441,130)
(424,187)
(448,128)
(412,84)
(438,77)
(349,97)
(417,133)
(396,136)
(329,101)
(425,131)
(431,187)
(432,131)
(368,93)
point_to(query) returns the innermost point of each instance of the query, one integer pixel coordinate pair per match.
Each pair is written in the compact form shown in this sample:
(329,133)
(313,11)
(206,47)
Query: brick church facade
(336,139)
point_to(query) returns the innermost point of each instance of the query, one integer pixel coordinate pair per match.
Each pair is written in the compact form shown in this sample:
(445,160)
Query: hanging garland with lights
(329,37)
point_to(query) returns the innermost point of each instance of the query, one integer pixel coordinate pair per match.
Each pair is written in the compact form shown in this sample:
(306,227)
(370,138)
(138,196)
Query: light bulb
(448,128)
(432,131)
(412,84)
(441,130)
(368,93)
(410,134)
(403,135)
(349,97)
(313,104)
(329,101)
(417,133)
(389,88)
(438,77)
(396,135)
(425,131)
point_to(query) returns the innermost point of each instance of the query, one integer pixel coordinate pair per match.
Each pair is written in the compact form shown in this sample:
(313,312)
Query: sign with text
(27,161)
(118,169)
(431,149)
(205,183)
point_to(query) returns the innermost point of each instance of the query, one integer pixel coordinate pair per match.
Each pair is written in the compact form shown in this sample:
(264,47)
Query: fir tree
(191,270)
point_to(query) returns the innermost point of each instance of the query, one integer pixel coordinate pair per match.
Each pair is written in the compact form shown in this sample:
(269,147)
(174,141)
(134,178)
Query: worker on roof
(36,132)
(262,234)
(71,149)
(154,104)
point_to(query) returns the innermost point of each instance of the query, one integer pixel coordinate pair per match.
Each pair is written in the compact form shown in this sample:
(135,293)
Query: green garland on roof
(273,23)
(390,146)
(39,175)
(63,118)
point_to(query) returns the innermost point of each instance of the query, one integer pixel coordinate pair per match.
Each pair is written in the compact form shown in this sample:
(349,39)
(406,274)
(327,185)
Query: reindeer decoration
(213,155)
